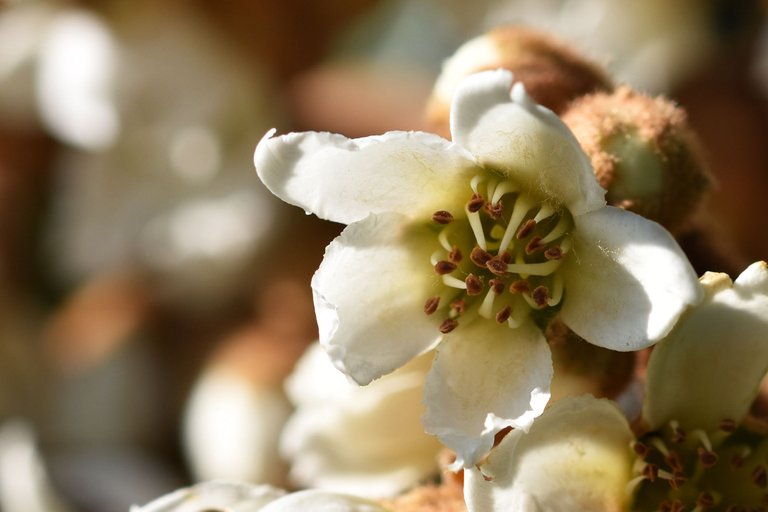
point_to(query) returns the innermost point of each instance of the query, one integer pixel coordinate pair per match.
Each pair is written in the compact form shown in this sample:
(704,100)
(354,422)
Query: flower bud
(643,153)
(552,73)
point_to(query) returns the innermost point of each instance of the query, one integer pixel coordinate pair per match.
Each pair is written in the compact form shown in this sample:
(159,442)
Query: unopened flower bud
(552,73)
(643,153)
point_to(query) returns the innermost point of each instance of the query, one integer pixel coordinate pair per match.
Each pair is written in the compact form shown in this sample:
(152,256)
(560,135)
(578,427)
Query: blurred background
(154,296)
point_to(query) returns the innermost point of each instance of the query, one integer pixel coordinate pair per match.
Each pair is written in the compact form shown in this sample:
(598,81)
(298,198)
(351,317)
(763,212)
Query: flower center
(693,471)
(499,258)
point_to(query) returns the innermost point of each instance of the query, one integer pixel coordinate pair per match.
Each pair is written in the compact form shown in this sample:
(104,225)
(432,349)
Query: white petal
(486,377)
(367,440)
(626,280)
(523,140)
(215,495)
(710,366)
(345,180)
(576,456)
(321,501)
(369,295)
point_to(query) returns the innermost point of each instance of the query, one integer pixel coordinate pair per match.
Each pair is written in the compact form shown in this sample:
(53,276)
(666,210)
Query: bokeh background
(154,296)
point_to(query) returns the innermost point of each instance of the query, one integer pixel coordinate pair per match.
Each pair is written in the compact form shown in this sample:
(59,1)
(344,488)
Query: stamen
(557,293)
(475,181)
(540,295)
(454,282)
(651,472)
(443,239)
(759,476)
(674,462)
(455,255)
(534,269)
(442,217)
(503,315)
(671,506)
(486,308)
(553,253)
(480,257)
(678,434)
(703,438)
(444,267)
(641,449)
(535,245)
(545,212)
(497,266)
(475,203)
(520,313)
(431,305)
(705,500)
(659,445)
(675,480)
(738,459)
(520,286)
(505,187)
(494,209)
(448,325)
(474,285)
(707,458)
(497,285)
(458,306)
(522,205)
(526,229)
(491,188)
(477,229)
(560,228)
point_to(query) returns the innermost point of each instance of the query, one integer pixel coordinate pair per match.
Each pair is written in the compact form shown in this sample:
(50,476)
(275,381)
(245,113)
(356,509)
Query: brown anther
(540,295)
(651,472)
(431,305)
(534,245)
(678,435)
(494,210)
(553,253)
(442,217)
(641,449)
(505,257)
(455,255)
(677,481)
(474,285)
(520,286)
(444,267)
(674,462)
(759,476)
(705,500)
(728,425)
(736,462)
(479,257)
(459,306)
(503,315)
(707,458)
(671,506)
(526,229)
(497,285)
(497,266)
(475,203)
(448,325)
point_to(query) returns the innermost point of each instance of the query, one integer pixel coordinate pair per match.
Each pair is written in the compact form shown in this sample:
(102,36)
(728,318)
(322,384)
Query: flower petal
(523,140)
(710,366)
(215,494)
(321,501)
(367,440)
(576,456)
(626,280)
(370,292)
(486,377)
(345,180)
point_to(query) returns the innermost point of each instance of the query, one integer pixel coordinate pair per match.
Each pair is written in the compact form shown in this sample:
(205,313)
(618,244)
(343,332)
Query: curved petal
(367,440)
(576,456)
(710,366)
(369,295)
(321,501)
(626,280)
(486,377)
(215,494)
(523,140)
(345,180)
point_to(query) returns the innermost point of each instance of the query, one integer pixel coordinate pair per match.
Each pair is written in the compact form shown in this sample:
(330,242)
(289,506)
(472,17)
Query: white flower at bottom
(474,245)
(242,497)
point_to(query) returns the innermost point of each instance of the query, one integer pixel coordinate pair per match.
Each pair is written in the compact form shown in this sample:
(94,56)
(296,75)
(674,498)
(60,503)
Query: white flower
(474,245)
(243,497)
(697,451)
(366,440)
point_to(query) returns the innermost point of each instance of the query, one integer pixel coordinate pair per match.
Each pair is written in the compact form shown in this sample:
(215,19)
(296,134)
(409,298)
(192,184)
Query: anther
(641,449)
(540,295)
(475,203)
(553,253)
(675,480)
(707,458)
(479,257)
(671,506)
(651,472)
(738,459)
(497,266)
(505,257)
(503,315)
(455,255)
(526,229)
(520,286)
(678,434)
(474,285)
(431,305)
(459,306)
(534,245)
(444,267)
(448,325)
(674,462)
(442,217)
(728,425)
(705,500)
(497,285)
(494,209)
(759,476)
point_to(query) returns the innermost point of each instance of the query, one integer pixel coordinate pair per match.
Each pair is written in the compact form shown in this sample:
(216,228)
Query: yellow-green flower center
(499,257)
